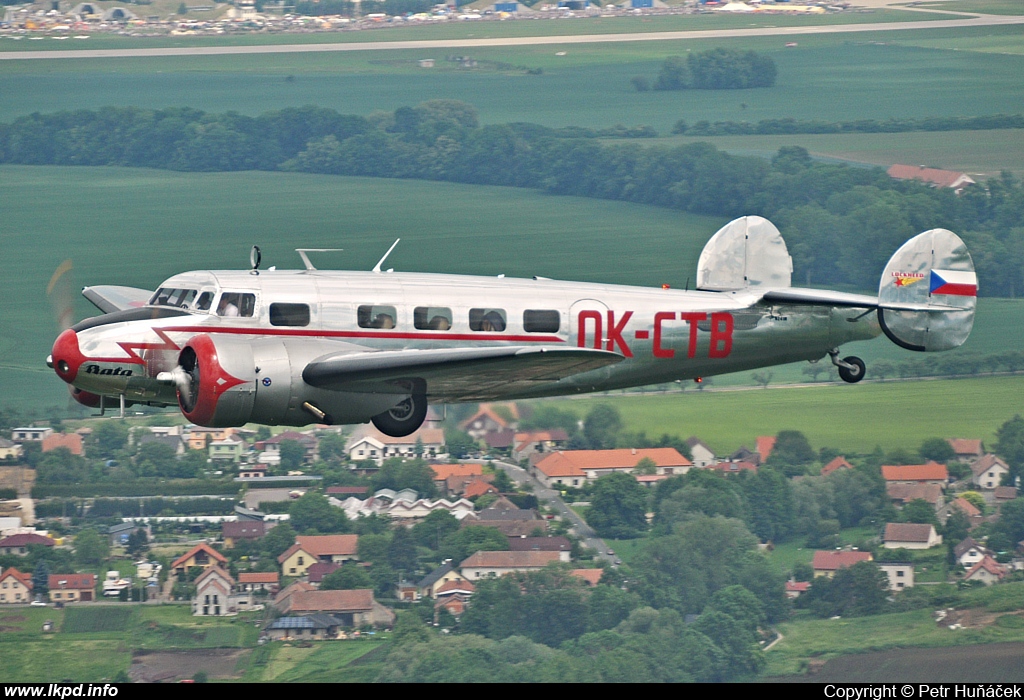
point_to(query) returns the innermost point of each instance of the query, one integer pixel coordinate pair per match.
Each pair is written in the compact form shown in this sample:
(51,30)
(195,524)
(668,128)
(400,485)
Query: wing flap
(111,298)
(458,374)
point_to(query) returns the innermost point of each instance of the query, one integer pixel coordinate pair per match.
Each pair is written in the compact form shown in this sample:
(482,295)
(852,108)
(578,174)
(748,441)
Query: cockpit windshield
(180,298)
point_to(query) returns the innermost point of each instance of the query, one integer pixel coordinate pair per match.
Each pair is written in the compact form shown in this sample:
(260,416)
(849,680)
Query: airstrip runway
(980,21)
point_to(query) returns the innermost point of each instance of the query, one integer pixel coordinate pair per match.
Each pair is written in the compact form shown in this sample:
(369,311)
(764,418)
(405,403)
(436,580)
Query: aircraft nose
(66,357)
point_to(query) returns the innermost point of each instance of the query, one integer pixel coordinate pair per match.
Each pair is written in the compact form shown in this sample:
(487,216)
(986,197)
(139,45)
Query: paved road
(980,21)
(553,499)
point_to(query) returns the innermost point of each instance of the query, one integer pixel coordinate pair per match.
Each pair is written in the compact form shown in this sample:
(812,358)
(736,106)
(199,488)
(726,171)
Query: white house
(987,472)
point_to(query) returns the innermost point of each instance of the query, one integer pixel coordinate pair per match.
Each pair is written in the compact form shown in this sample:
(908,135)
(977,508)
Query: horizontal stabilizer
(110,298)
(456,374)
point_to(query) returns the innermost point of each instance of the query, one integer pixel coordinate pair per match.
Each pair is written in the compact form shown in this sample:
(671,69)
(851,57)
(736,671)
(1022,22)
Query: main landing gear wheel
(404,419)
(854,372)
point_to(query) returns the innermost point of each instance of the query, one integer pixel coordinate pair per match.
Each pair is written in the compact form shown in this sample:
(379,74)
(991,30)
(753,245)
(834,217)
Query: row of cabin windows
(440,318)
(425,318)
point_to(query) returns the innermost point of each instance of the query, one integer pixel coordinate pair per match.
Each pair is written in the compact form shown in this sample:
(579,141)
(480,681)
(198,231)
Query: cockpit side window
(204,302)
(166,296)
(236,304)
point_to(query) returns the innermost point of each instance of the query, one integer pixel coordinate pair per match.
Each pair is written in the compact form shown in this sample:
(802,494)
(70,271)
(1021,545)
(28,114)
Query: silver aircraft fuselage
(662,334)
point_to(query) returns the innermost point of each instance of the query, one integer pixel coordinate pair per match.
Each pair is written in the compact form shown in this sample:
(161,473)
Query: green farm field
(989,7)
(94,642)
(831,77)
(980,153)
(852,419)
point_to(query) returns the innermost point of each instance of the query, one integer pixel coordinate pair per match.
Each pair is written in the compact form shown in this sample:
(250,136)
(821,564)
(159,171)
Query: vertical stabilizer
(747,252)
(933,271)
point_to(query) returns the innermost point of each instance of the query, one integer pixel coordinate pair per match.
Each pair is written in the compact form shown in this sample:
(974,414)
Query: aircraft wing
(111,298)
(457,374)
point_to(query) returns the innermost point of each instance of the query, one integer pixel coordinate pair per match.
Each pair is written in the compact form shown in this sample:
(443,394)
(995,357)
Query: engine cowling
(230,381)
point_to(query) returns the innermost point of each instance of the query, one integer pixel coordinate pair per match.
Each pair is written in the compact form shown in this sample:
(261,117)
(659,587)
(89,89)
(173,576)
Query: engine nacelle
(233,380)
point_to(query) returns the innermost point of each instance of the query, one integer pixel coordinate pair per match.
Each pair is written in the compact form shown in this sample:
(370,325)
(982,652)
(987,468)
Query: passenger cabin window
(487,320)
(289,314)
(432,318)
(541,321)
(165,296)
(371,316)
(236,304)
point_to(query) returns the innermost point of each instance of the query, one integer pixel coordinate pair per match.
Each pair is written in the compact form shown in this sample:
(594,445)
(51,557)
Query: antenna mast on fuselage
(305,259)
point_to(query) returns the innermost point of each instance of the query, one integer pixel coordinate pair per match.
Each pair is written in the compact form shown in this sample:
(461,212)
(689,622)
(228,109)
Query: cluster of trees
(601,429)
(841,223)
(789,125)
(549,625)
(715,69)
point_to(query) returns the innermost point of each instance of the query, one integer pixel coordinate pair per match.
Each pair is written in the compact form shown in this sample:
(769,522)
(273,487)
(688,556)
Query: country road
(979,21)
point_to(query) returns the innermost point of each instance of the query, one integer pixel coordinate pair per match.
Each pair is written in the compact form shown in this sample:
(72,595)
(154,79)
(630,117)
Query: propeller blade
(61,292)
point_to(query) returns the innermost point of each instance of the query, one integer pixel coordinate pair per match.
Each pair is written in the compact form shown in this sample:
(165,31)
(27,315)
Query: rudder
(928,293)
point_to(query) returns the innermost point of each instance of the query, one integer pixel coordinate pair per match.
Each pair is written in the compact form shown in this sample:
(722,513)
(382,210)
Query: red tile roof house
(354,608)
(526,444)
(929,473)
(71,588)
(966,450)
(252,530)
(72,441)
(576,467)
(932,176)
(905,493)
(827,562)
(987,471)
(542,544)
(18,544)
(835,465)
(765,445)
(214,588)
(202,555)
(491,564)
(988,571)
(15,587)
(794,589)
(250,581)
(443,471)
(591,576)
(910,536)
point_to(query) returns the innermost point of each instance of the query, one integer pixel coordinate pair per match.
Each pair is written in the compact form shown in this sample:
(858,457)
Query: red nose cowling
(67,356)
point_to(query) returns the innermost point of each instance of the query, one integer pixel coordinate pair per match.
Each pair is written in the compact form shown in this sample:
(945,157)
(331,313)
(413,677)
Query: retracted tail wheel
(855,372)
(404,419)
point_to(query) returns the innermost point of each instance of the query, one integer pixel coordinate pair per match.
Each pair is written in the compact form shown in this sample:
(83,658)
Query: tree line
(859,126)
(841,223)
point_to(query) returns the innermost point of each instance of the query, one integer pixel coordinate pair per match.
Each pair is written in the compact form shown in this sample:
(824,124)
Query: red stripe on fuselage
(235,330)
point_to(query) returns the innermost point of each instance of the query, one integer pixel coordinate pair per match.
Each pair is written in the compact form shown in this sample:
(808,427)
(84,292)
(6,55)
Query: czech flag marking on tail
(961,283)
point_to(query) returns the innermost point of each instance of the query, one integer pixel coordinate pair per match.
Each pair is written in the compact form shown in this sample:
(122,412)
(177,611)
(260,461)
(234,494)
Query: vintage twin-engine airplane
(292,347)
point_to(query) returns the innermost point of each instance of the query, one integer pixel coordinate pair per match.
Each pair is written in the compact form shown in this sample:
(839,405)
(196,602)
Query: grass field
(808,639)
(826,77)
(94,642)
(849,418)
(328,662)
(989,7)
(984,153)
